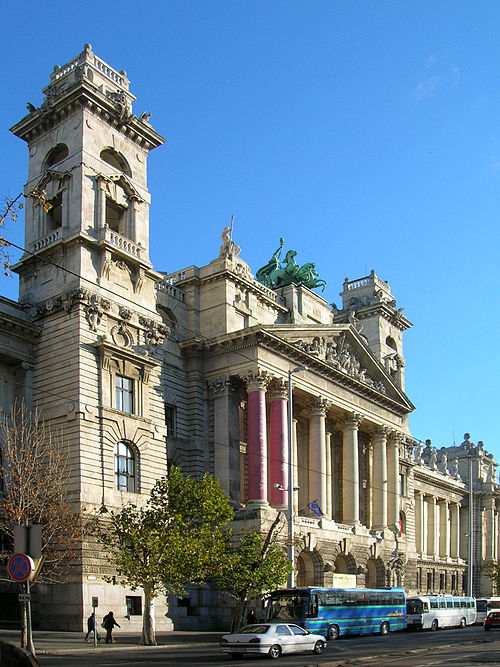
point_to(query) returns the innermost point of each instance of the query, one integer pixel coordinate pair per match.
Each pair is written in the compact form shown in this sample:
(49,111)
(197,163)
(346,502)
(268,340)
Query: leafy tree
(492,570)
(254,566)
(176,538)
(34,473)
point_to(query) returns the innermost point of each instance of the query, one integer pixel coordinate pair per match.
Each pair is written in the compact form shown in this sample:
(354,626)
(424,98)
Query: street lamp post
(471,529)
(291,488)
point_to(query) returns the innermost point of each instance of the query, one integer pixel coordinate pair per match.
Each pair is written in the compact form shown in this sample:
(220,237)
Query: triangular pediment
(342,349)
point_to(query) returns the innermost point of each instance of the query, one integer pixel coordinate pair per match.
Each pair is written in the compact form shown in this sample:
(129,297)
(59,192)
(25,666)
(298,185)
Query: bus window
(313,606)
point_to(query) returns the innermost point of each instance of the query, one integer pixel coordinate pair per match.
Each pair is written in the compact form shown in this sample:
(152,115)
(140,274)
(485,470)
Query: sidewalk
(58,643)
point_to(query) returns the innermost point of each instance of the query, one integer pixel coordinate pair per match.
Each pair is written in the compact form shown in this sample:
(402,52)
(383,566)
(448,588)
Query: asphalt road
(468,647)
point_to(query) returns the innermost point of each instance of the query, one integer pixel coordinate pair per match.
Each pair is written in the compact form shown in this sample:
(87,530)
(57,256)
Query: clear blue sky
(366,133)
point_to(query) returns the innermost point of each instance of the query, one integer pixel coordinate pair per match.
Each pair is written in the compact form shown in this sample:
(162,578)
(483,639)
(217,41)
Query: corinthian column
(317,452)
(444,529)
(455,530)
(393,477)
(226,455)
(278,463)
(379,489)
(329,505)
(350,469)
(257,438)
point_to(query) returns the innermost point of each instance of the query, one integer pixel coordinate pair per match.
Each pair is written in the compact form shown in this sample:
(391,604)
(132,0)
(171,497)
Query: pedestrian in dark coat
(90,629)
(109,623)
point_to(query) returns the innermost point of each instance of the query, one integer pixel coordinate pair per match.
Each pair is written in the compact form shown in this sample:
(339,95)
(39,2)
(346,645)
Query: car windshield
(253,630)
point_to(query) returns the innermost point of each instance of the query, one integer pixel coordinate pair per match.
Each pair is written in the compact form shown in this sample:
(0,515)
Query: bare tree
(34,473)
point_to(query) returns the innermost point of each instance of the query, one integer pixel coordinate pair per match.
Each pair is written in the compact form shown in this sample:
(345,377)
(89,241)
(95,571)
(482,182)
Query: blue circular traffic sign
(20,567)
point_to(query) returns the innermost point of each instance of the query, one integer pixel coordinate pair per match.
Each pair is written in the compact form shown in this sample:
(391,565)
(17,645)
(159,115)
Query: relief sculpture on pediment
(339,353)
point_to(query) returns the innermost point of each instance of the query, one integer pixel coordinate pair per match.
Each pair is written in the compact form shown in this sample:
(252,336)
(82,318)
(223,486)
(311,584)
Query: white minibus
(430,612)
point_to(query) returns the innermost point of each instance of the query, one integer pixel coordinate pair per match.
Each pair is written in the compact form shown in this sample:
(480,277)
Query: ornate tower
(88,152)
(87,276)
(369,305)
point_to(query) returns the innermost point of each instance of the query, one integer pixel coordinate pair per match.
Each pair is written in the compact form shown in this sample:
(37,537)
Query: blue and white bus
(335,612)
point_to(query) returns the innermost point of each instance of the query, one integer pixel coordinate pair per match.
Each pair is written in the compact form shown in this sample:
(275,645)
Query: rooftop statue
(273,274)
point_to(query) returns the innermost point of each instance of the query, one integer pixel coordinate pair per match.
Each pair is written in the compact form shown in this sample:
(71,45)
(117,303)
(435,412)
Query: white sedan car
(271,639)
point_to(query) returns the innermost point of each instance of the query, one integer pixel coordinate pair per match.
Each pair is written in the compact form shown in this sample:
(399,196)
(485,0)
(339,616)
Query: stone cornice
(85,95)
(389,313)
(22,328)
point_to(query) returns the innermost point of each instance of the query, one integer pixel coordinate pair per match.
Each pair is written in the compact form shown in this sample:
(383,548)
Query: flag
(314,507)
(397,528)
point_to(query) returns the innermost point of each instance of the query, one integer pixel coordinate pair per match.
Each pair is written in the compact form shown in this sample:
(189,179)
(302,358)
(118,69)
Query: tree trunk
(148,618)
(239,612)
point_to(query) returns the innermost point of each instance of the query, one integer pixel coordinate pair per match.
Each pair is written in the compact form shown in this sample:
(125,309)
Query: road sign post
(20,567)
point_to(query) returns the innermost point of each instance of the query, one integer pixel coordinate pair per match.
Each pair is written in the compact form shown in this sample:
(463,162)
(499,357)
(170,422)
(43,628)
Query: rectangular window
(134,605)
(124,394)
(170,420)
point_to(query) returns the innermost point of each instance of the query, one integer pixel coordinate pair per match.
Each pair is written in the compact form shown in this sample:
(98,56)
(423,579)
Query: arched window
(56,155)
(125,468)
(116,160)
(390,342)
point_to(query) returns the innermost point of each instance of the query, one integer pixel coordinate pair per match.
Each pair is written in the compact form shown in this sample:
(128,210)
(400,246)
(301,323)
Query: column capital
(395,437)
(351,420)
(319,406)
(220,386)
(381,432)
(257,380)
(278,388)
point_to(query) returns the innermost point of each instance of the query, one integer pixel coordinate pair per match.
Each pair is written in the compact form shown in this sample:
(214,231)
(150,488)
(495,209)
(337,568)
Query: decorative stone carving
(453,469)
(228,247)
(220,386)
(94,312)
(443,461)
(319,406)
(339,353)
(257,380)
(278,389)
(419,449)
(154,334)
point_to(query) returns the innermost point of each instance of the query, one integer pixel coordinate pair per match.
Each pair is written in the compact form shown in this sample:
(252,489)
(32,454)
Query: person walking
(108,623)
(90,628)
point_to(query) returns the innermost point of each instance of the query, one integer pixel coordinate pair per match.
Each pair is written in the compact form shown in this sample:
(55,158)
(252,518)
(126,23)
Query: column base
(254,504)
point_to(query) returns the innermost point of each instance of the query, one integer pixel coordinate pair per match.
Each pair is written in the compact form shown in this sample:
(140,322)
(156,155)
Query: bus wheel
(384,628)
(333,632)
(274,651)
(463,623)
(434,624)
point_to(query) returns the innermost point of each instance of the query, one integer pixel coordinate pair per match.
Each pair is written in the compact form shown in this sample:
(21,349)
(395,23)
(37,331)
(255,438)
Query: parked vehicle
(271,639)
(334,612)
(492,620)
(439,611)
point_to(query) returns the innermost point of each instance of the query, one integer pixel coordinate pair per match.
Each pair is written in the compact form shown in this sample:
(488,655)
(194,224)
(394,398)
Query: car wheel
(463,623)
(318,647)
(384,628)
(434,625)
(333,632)
(236,656)
(274,651)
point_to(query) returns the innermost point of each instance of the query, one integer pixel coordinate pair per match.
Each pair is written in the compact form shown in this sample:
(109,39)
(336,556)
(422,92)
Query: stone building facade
(139,368)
